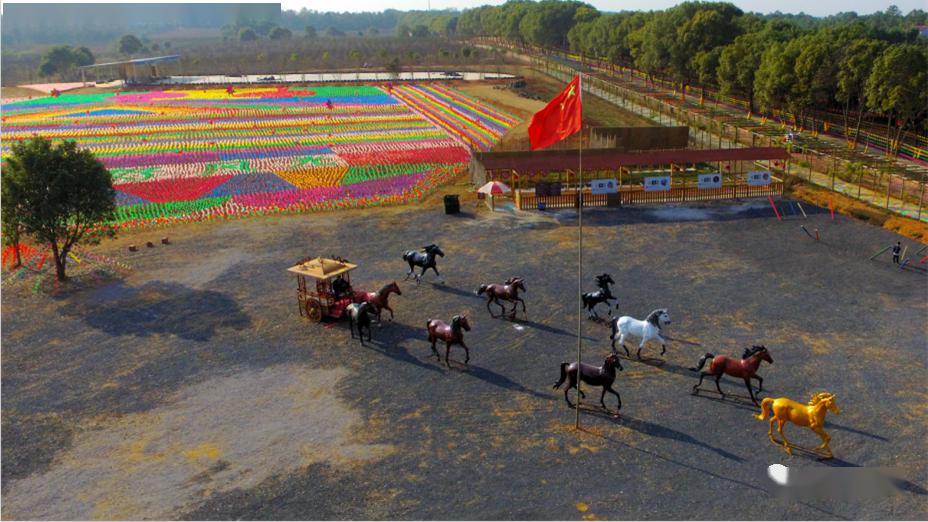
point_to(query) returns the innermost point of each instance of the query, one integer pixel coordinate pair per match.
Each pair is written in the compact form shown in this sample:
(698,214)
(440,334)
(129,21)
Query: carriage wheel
(313,310)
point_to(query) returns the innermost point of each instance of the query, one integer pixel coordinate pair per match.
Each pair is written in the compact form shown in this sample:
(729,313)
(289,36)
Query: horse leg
(622,344)
(570,384)
(717,385)
(369,332)
(760,383)
(786,444)
(523,304)
(437,356)
(747,382)
(351,324)
(617,396)
(502,307)
(437,275)
(466,352)
(702,375)
(770,430)
(663,344)
(640,346)
(412,269)
(512,313)
(391,311)
(490,300)
(447,351)
(825,440)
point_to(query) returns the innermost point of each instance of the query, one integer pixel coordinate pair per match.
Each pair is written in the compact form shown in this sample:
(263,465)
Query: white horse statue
(647,330)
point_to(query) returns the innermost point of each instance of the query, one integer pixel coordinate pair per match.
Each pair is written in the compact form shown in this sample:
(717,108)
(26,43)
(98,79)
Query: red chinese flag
(560,118)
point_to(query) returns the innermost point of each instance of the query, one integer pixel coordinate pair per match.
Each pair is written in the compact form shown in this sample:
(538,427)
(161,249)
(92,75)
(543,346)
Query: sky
(817,8)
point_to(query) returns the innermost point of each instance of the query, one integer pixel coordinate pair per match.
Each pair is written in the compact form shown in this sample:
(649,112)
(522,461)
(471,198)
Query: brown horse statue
(450,333)
(811,416)
(381,298)
(746,368)
(593,375)
(508,291)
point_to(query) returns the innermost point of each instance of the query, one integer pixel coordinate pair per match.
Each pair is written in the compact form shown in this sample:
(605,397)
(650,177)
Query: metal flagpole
(579,248)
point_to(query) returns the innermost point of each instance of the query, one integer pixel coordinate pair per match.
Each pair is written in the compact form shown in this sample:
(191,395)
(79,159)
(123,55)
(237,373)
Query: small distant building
(139,70)
(922,31)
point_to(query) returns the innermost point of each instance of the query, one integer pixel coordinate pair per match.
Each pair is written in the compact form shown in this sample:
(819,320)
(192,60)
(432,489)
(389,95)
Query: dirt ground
(191,387)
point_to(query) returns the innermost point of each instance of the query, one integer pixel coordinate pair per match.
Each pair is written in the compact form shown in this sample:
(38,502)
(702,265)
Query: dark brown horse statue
(508,291)
(381,298)
(746,368)
(593,375)
(451,334)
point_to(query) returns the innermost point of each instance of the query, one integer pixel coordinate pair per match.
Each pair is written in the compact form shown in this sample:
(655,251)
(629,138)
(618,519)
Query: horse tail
(702,362)
(482,289)
(763,408)
(614,323)
(563,378)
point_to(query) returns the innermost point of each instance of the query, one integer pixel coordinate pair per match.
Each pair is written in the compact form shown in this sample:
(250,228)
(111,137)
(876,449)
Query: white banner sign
(604,186)
(759,177)
(657,183)
(710,181)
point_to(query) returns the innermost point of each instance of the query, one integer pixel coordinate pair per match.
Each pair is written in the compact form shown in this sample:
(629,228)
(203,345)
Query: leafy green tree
(280,33)
(775,79)
(394,67)
(403,31)
(898,87)
(816,71)
(853,72)
(247,34)
(334,33)
(310,31)
(60,194)
(61,59)
(420,31)
(10,219)
(548,22)
(373,31)
(83,56)
(129,44)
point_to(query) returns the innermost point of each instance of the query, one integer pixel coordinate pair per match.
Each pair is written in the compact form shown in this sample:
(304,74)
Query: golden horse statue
(810,415)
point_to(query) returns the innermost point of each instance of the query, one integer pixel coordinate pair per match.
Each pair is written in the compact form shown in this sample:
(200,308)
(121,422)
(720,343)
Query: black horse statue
(508,291)
(360,314)
(603,295)
(593,375)
(425,259)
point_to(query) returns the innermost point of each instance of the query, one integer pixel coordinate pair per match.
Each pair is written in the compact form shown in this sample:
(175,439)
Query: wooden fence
(528,200)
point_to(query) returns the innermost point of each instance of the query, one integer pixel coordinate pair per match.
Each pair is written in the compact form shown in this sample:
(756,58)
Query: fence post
(889,184)
(921,197)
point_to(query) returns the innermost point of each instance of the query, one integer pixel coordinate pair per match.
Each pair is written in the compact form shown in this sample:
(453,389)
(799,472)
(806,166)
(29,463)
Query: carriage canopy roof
(322,268)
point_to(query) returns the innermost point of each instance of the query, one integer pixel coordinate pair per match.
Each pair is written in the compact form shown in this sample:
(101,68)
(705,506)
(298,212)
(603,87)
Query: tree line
(792,63)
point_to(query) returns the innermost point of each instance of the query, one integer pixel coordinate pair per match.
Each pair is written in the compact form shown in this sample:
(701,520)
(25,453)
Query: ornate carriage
(329,292)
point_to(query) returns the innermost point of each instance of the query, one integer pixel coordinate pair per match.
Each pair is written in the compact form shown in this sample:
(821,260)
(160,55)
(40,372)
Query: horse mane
(752,350)
(652,317)
(384,288)
(819,397)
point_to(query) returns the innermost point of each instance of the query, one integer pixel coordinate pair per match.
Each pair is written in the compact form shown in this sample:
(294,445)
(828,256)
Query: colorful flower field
(183,155)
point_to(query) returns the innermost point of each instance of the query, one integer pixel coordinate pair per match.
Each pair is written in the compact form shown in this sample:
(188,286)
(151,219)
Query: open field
(193,154)
(596,111)
(191,387)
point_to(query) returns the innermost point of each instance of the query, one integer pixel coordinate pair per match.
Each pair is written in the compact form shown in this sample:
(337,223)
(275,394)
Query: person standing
(897,248)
